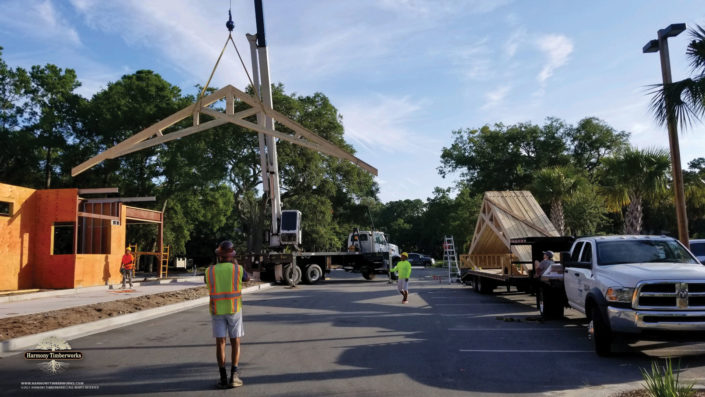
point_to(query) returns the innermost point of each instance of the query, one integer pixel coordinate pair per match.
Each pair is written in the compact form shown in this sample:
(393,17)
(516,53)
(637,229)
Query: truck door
(365,242)
(571,276)
(586,278)
(381,243)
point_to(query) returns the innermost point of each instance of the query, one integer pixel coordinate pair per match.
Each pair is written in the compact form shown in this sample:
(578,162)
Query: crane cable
(230,25)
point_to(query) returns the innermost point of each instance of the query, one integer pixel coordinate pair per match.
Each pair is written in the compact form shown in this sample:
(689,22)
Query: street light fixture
(661,46)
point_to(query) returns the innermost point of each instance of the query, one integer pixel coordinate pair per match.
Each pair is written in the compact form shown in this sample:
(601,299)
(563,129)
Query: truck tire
(601,333)
(549,303)
(475,284)
(313,274)
(484,286)
(367,273)
(291,274)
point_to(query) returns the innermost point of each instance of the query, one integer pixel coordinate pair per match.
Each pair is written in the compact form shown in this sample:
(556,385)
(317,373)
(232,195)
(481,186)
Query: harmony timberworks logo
(53,352)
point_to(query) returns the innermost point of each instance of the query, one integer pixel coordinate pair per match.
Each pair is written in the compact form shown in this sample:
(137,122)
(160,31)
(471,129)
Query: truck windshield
(641,251)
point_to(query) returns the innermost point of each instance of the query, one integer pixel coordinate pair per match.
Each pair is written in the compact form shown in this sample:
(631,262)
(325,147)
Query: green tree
(584,211)
(504,157)
(52,114)
(17,154)
(684,99)
(631,177)
(591,140)
(553,186)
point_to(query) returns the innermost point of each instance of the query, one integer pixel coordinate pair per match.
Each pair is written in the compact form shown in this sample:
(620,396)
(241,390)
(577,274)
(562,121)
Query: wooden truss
(153,135)
(504,216)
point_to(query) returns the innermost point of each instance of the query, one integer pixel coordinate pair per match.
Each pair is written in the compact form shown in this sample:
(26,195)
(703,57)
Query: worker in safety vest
(403,269)
(224,282)
(126,266)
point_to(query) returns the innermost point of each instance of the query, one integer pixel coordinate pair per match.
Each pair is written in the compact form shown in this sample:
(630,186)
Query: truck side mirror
(564,257)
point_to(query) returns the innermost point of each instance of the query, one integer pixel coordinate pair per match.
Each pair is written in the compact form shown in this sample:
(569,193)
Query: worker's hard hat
(128,249)
(226,249)
(404,255)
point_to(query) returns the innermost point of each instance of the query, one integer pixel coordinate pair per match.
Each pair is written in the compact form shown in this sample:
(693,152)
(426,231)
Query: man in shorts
(403,269)
(224,281)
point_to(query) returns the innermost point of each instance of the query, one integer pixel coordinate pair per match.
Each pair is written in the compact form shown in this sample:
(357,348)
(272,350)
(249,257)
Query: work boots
(235,380)
(223,384)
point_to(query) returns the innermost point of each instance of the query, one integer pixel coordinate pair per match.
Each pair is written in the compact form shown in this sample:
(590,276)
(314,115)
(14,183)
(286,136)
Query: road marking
(507,329)
(522,351)
(473,304)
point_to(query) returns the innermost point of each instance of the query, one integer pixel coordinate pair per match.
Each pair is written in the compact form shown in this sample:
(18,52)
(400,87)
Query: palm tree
(631,177)
(685,98)
(553,185)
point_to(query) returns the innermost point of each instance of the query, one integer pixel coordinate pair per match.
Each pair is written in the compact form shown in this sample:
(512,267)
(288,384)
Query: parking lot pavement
(352,337)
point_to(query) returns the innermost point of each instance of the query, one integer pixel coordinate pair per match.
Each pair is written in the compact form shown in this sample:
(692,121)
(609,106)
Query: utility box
(180,263)
(290,231)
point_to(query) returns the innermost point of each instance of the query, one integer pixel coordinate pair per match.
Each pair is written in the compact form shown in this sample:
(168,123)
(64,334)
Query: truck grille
(671,295)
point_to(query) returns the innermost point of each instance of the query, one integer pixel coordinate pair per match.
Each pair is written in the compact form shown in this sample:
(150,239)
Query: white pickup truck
(630,284)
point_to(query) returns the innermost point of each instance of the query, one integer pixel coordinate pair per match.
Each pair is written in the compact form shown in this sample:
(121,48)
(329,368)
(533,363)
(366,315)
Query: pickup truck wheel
(292,274)
(367,273)
(313,274)
(601,334)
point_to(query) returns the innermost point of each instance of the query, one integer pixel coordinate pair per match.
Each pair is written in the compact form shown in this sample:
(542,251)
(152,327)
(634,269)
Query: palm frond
(696,50)
(683,99)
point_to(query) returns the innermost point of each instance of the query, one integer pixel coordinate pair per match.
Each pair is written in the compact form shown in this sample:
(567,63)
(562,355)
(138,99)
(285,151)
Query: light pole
(661,46)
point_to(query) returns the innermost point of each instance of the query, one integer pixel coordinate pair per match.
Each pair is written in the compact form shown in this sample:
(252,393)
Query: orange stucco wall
(26,259)
(53,271)
(99,269)
(16,237)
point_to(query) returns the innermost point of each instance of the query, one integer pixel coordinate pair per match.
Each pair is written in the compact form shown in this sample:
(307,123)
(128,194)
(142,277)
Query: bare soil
(17,326)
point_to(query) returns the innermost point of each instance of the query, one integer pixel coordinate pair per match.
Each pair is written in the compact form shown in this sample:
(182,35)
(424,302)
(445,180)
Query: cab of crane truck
(367,241)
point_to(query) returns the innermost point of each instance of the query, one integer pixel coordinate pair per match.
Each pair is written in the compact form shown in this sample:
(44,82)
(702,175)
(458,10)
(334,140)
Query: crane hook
(230,24)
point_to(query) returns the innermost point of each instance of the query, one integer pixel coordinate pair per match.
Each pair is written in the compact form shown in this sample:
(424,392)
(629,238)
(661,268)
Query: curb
(48,294)
(12,346)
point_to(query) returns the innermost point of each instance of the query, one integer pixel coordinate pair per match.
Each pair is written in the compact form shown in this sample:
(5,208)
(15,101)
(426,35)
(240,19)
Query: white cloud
(441,8)
(180,32)
(381,124)
(515,40)
(496,96)
(557,49)
(47,23)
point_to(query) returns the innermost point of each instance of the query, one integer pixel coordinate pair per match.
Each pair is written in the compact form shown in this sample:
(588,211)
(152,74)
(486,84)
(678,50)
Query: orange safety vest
(224,281)
(127,261)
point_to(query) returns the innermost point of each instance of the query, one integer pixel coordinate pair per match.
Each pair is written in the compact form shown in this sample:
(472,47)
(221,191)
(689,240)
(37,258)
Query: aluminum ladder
(451,259)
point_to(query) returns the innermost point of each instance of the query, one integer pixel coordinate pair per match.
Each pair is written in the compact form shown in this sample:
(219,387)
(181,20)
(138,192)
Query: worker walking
(403,270)
(126,266)
(224,282)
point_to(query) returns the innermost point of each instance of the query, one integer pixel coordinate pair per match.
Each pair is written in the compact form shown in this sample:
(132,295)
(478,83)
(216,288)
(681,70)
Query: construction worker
(403,269)
(126,266)
(224,282)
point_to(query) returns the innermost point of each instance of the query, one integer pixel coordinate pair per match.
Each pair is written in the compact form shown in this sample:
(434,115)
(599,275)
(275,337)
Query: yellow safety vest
(224,281)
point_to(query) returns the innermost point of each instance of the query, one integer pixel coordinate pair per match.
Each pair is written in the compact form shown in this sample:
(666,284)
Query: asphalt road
(351,337)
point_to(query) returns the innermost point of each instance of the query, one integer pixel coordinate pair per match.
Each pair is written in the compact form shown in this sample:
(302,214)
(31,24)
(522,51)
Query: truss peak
(154,134)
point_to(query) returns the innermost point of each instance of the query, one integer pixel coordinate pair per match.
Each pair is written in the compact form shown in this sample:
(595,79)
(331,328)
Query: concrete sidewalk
(40,302)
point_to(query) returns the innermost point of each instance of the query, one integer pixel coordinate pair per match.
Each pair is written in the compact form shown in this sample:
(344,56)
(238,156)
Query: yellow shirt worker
(403,270)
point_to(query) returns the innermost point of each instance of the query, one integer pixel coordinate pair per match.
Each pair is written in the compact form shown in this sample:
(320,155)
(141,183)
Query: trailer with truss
(511,233)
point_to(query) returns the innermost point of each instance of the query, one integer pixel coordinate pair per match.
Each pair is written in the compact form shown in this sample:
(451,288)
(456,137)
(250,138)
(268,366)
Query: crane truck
(366,251)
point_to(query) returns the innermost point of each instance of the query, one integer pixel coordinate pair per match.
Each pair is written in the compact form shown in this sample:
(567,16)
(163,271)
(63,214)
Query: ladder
(164,268)
(451,259)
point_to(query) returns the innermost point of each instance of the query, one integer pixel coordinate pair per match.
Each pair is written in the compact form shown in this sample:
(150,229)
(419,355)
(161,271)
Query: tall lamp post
(661,46)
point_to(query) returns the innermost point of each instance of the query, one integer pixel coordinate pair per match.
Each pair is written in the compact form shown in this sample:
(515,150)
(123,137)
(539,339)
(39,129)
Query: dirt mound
(14,327)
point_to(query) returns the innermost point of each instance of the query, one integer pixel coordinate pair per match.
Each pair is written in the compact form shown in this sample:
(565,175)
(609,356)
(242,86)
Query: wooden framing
(504,216)
(154,135)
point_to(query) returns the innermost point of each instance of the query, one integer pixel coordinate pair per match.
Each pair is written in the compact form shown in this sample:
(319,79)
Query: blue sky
(403,73)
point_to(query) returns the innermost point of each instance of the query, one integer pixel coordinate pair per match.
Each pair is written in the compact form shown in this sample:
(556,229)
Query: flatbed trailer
(311,267)
(518,273)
